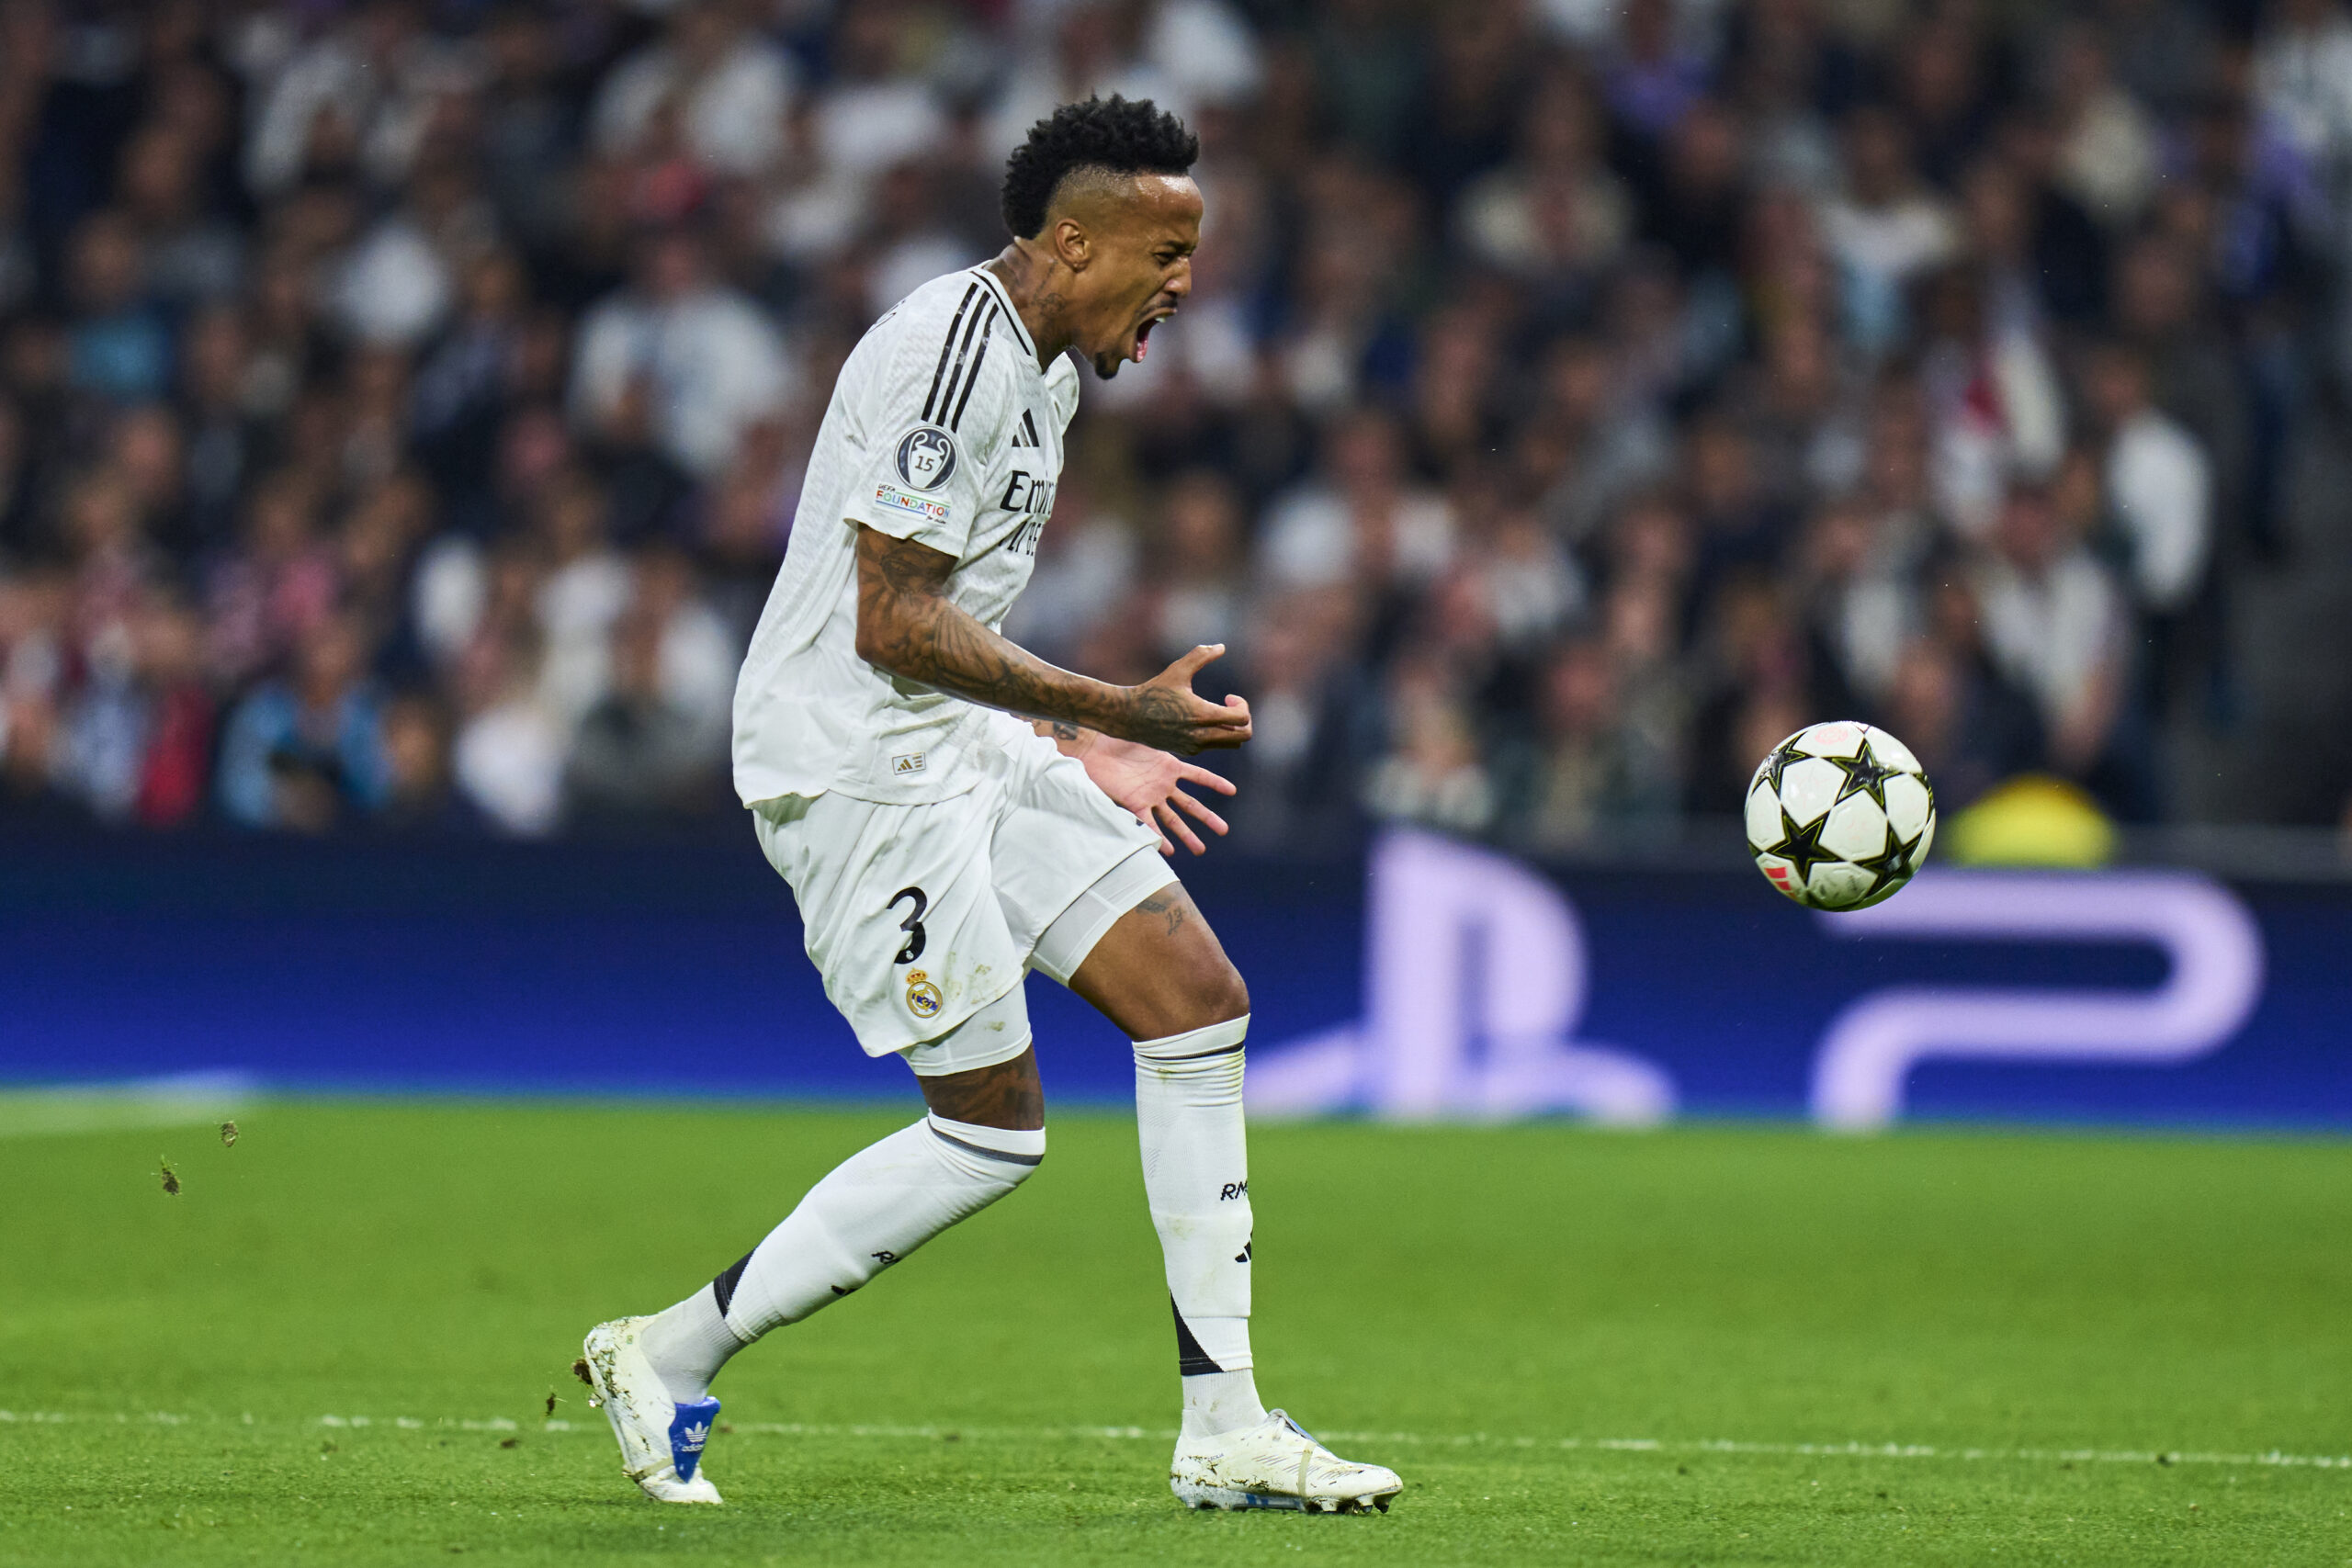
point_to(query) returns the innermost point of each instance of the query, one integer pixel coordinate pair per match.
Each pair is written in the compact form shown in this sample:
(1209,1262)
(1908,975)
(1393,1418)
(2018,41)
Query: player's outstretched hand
(1166,713)
(1147,782)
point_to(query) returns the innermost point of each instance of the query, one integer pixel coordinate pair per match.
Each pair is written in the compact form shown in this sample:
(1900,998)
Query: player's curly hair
(1113,134)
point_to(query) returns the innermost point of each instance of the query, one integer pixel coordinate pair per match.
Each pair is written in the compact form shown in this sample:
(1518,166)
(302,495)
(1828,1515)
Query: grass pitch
(335,1344)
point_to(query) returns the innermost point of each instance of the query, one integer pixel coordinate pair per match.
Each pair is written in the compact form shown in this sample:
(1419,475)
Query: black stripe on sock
(985,1152)
(955,375)
(1192,1361)
(974,379)
(1197,1055)
(946,347)
(722,1290)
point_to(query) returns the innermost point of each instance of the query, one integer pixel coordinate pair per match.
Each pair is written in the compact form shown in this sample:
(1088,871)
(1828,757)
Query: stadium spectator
(119,346)
(1360,519)
(1195,578)
(420,795)
(1964,721)
(1589,774)
(277,586)
(508,757)
(727,88)
(645,749)
(1884,228)
(306,751)
(1431,772)
(137,739)
(704,359)
(2054,623)
(1554,213)
(2157,479)
(194,255)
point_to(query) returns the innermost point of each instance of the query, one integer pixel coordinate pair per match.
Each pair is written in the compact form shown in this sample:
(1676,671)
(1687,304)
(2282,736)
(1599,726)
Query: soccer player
(952,812)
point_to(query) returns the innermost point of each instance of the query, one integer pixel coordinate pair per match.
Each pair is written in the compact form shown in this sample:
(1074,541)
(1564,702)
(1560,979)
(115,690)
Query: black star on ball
(1865,774)
(1801,847)
(1892,867)
(1778,763)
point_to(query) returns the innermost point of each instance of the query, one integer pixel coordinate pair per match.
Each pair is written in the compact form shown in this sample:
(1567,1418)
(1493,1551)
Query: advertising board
(1428,980)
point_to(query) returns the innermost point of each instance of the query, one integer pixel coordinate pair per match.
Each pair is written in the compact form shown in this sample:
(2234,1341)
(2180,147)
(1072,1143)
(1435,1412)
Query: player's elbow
(877,639)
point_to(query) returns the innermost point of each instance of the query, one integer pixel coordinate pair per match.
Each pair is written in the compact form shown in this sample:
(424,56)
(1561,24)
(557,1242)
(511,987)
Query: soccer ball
(1839,816)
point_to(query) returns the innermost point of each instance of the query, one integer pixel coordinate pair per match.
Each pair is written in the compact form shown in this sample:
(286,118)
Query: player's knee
(1205,994)
(1223,995)
(1006,1095)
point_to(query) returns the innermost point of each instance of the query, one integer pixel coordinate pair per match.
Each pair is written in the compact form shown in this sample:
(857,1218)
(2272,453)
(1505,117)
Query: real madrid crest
(924,999)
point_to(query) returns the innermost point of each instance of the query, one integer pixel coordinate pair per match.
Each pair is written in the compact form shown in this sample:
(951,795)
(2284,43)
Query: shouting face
(1128,241)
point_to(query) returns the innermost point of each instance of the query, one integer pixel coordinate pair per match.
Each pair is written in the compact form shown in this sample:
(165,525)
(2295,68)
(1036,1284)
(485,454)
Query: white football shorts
(924,919)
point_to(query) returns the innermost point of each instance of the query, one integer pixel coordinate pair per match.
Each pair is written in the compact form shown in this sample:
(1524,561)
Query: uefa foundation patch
(933,512)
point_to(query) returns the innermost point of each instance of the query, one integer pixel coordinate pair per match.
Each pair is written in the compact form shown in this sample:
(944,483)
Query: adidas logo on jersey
(1027,434)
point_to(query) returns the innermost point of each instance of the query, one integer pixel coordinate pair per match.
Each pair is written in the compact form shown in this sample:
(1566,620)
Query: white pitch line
(2273,1458)
(182,1100)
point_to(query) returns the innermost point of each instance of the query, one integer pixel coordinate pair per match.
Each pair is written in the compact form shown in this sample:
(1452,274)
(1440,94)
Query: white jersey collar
(996,286)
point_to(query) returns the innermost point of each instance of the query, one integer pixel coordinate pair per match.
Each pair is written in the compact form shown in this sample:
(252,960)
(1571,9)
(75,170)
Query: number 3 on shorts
(912,924)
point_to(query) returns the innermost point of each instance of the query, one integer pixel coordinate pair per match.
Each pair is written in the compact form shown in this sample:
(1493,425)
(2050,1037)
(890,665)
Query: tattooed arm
(907,624)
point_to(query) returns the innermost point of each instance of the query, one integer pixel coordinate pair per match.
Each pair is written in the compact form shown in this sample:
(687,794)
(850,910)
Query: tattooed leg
(1160,971)
(1008,1094)
(1171,905)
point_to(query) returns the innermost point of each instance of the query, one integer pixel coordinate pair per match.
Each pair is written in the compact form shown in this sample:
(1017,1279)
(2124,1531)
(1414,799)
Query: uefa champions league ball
(1839,816)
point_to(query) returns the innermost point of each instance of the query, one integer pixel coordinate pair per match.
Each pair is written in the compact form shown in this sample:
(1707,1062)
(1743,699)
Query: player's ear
(1073,247)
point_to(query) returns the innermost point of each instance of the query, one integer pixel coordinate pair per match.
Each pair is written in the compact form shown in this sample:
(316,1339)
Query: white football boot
(1276,1464)
(662,1441)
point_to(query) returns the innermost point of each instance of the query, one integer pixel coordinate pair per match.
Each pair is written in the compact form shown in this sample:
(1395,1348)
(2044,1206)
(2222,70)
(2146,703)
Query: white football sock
(689,1343)
(1218,1403)
(1196,1178)
(870,1211)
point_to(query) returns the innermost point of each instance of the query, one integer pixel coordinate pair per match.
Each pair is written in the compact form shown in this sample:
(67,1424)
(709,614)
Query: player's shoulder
(934,305)
(948,346)
(954,358)
(949,316)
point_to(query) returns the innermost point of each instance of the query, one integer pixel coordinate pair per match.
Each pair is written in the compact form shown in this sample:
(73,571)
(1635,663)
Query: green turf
(1478,1297)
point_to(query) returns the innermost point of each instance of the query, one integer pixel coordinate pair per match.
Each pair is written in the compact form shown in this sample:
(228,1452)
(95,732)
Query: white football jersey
(943,429)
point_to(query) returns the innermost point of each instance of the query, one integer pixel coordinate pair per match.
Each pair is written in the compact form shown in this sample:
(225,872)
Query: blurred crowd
(403,403)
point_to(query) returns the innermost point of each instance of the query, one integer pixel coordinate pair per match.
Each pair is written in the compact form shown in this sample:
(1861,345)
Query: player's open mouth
(1143,332)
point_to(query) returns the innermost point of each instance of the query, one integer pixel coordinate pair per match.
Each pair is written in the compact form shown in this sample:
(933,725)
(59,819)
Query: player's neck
(1030,283)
